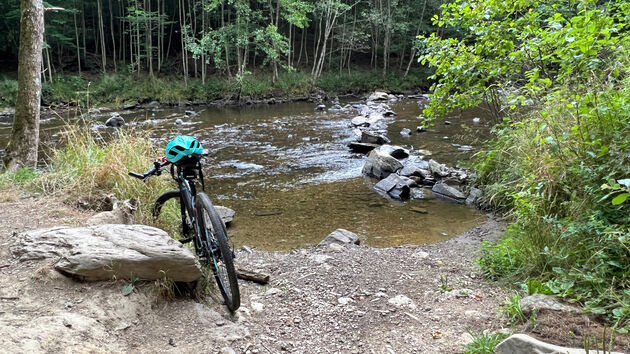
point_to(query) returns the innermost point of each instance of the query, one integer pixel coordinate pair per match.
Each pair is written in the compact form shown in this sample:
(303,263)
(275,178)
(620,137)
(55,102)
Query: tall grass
(87,167)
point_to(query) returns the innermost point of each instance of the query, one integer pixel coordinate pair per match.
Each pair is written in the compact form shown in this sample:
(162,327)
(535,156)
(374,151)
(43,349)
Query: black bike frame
(185,176)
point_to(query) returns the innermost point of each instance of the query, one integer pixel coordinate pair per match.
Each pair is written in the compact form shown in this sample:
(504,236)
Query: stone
(447,122)
(411,170)
(394,151)
(130,105)
(476,120)
(438,169)
(389,113)
(105,252)
(373,138)
(362,148)
(543,302)
(320,107)
(405,131)
(380,164)
(378,96)
(395,186)
(421,129)
(342,237)
(153,105)
(121,213)
(115,121)
(421,193)
(192,114)
(257,307)
(524,344)
(473,196)
(401,301)
(442,189)
(360,121)
(226,214)
(178,121)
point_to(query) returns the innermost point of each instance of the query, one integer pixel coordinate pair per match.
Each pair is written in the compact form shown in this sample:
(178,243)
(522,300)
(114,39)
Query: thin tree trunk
(24,141)
(76,33)
(413,52)
(111,27)
(99,8)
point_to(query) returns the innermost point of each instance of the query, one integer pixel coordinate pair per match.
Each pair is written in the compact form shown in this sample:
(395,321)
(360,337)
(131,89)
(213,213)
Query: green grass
(127,87)
(483,343)
(21,177)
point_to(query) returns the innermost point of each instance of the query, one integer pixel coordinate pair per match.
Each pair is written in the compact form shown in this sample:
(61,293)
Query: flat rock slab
(103,252)
(544,302)
(380,164)
(450,192)
(226,214)
(524,344)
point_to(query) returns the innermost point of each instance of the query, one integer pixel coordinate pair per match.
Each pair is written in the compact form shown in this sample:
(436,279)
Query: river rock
(362,148)
(380,164)
(473,196)
(405,131)
(320,107)
(439,170)
(421,193)
(451,193)
(178,121)
(121,213)
(476,120)
(524,344)
(395,186)
(115,120)
(111,251)
(360,121)
(192,114)
(543,302)
(373,138)
(153,105)
(415,169)
(394,151)
(421,129)
(226,214)
(340,236)
(378,96)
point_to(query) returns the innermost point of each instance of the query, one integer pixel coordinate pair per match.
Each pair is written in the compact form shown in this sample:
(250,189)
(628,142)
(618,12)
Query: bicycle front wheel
(215,247)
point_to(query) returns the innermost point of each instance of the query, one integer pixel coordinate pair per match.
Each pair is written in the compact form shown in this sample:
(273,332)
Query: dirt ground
(408,299)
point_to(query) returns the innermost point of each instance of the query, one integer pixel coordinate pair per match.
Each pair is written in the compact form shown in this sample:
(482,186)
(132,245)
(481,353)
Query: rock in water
(362,148)
(115,120)
(320,107)
(378,96)
(106,251)
(444,190)
(360,121)
(405,131)
(192,114)
(395,186)
(341,236)
(380,164)
(226,214)
(373,138)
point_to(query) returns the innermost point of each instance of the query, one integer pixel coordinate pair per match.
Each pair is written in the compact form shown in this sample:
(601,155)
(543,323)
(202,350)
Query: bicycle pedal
(186,240)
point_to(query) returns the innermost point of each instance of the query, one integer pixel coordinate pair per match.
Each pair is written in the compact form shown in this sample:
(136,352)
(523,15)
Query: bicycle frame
(185,176)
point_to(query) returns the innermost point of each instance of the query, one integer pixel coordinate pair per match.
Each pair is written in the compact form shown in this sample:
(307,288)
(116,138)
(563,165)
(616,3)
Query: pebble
(344,300)
(257,306)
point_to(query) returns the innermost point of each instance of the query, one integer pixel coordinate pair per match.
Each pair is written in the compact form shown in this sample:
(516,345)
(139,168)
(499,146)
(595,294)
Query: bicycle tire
(223,263)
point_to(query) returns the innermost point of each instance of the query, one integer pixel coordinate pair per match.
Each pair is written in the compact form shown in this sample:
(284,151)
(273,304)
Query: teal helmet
(181,147)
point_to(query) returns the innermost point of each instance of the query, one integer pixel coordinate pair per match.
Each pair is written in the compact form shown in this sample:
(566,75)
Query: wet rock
(447,122)
(419,210)
(192,114)
(153,105)
(110,251)
(362,148)
(421,129)
(378,96)
(389,113)
(395,186)
(342,237)
(438,169)
(115,120)
(373,138)
(394,151)
(184,103)
(543,302)
(473,196)
(226,214)
(465,148)
(524,344)
(405,131)
(380,164)
(335,108)
(320,107)
(178,121)
(129,105)
(451,193)
(421,193)
(411,170)
(476,120)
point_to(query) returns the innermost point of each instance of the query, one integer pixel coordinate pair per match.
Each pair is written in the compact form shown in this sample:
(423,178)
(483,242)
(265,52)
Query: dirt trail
(357,299)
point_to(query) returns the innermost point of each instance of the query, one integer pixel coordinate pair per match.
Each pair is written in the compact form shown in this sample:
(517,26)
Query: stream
(286,171)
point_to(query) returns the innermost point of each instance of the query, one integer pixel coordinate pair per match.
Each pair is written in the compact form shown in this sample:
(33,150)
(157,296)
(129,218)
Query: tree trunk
(99,8)
(22,148)
(111,27)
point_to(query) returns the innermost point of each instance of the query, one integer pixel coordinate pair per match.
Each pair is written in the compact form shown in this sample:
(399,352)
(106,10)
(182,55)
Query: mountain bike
(201,223)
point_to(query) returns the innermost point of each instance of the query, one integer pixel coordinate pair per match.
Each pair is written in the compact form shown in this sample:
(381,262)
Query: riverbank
(127,89)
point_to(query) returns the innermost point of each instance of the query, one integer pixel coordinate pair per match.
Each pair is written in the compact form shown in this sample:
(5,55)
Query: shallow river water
(289,176)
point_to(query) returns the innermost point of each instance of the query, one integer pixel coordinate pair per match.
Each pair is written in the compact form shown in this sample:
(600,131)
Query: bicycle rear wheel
(217,251)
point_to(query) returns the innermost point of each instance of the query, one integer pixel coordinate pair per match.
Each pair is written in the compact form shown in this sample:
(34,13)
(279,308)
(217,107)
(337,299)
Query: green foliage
(511,307)
(8,92)
(483,343)
(21,177)
(558,75)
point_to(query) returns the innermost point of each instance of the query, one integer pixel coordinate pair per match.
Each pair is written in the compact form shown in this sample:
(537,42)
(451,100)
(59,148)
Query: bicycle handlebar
(156,170)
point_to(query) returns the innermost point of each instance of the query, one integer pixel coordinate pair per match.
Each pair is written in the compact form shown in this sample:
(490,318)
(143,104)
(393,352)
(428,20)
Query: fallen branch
(250,275)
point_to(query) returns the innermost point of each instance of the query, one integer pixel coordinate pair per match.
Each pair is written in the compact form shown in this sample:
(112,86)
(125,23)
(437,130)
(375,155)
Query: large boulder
(380,164)
(360,121)
(538,302)
(395,186)
(362,148)
(111,251)
(115,120)
(394,151)
(524,344)
(341,236)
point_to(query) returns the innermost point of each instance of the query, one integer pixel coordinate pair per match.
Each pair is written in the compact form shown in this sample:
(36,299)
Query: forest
(224,40)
